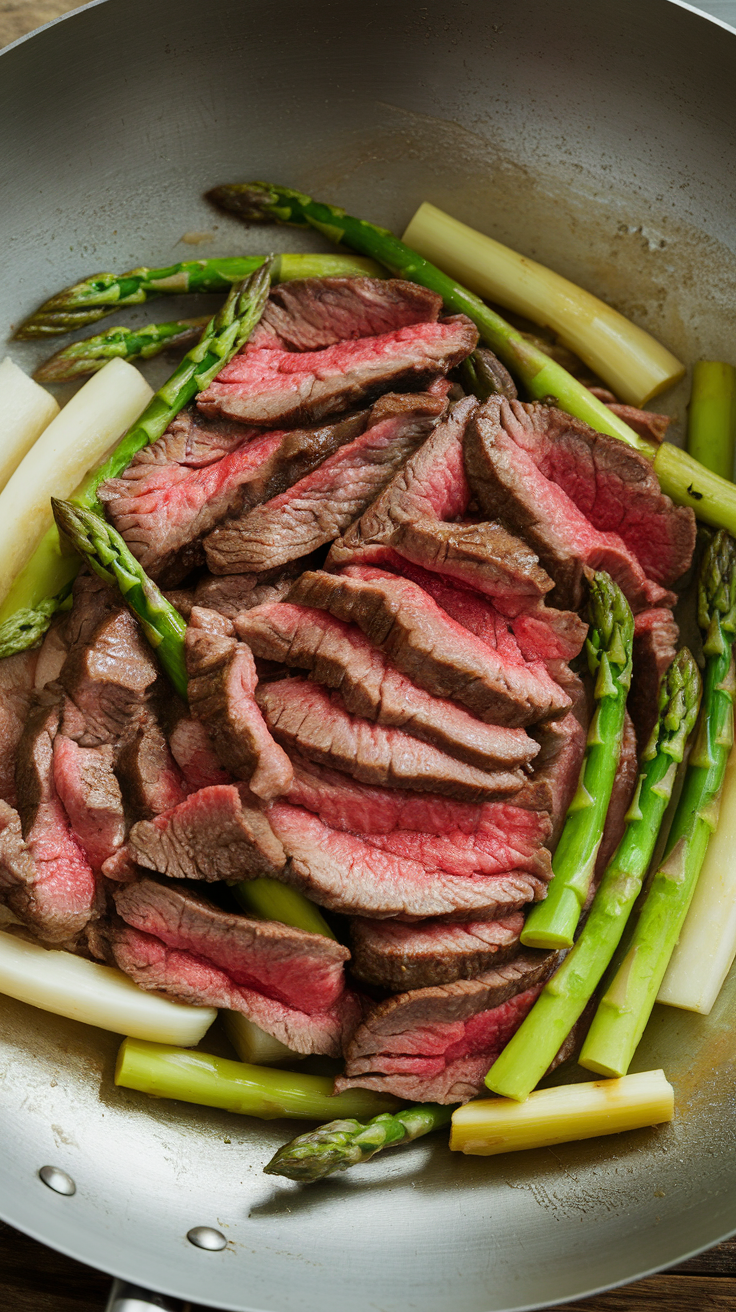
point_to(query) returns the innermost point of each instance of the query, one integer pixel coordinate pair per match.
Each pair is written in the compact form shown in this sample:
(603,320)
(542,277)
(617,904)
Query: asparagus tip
(251,201)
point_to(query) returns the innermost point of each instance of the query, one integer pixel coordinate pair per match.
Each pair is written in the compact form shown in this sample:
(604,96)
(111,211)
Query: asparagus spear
(340,1144)
(169,1072)
(711,420)
(562,1001)
(42,586)
(552,923)
(109,556)
(89,355)
(685,480)
(93,298)
(625,1008)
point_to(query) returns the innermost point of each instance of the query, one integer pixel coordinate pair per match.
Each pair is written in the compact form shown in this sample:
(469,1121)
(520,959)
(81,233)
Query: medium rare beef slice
(621,795)
(510,487)
(557,768)
(192,749)
(189,977)
(346,873)
(437,1044)
(339,656)
(110,678)
(210,836)
(56,894)
(151,780)
(647,423)
(90,794)
(314,722)
(222,684)
(299,969)
(390,955)
(17,677)
(434,650)
(321,505)
(614,486)
(656,636)
(271,386)
(308,314)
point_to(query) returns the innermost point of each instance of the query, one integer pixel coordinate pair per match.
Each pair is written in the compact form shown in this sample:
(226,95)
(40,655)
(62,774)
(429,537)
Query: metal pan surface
(600,139)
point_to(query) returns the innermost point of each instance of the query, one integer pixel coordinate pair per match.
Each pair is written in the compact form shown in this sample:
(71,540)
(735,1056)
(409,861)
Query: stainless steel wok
(598,136)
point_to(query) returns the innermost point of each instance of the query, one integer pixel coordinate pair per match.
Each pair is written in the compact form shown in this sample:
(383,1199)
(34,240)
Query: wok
(600,139)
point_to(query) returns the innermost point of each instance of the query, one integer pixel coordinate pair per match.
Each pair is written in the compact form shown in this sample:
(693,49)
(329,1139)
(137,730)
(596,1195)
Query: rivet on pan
(203,1236)
(58,1180)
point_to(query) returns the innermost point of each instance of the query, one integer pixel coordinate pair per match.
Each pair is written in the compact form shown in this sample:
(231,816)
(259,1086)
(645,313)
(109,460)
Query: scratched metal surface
(598,138)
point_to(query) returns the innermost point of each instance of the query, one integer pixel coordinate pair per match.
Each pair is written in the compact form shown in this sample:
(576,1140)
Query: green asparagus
(685,480)
(103,293)
(625,1008)
(711,419)
(340,1144)
(273,901)
(42,586)
(552,923)
(563,999)
(89,355)
(168,1072)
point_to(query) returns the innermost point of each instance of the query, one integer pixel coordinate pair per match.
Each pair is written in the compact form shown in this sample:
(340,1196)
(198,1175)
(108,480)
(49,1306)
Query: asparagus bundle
(42,586)
(625,1008)
(89,355)
(108,554)
(552,923)
(340,1144)
(93,298)
(562,1001)
(682,478)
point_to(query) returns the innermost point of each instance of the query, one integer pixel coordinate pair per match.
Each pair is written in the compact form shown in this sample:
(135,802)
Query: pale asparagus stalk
(27,410)
(98,995)
(253,1044)
(633,364)
(75,441)
(705,953)
(562,1114)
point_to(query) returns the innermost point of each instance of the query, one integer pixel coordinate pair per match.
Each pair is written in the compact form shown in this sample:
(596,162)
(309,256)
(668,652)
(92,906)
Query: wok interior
(597,139)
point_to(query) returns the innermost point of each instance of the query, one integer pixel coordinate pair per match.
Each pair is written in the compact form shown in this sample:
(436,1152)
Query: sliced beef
(434,650)
(90,794)
(512,488)
(54,651)
(647,423)
(195,979)
(656,636)
(314,722)
(164,507)
(212,835)
(614,486)
(390,955)
(151,779)
(109,678)
(557,768)
(621,795)
(442,835)
(346,873)
(231,594)
(17,678)
(437,1044)
(192,748)
(321,505)
(272,386)
(52,887)
(308,314)
(221,688)
(339,656)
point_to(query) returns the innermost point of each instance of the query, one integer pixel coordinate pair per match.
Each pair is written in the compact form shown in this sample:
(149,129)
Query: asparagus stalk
(89,355)
(562,1114)
(169,1072)
(625,1008)
(711,420)
(552,923)
(340,1144)
(93,298)
(626,357)
(27,410)
(685,480)
(562,1001)
(107,553)
(42,586)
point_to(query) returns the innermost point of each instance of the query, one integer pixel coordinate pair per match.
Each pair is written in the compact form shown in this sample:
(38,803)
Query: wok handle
(131,1298)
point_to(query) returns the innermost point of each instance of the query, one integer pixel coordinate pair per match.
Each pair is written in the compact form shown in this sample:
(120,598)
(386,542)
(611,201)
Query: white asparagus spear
(253,1044)
(27,408)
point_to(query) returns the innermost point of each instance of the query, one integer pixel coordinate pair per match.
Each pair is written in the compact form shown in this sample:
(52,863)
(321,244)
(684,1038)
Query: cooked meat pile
(383,582)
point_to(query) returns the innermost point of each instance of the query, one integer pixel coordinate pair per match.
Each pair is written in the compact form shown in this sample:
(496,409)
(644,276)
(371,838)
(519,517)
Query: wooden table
(36,1279)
